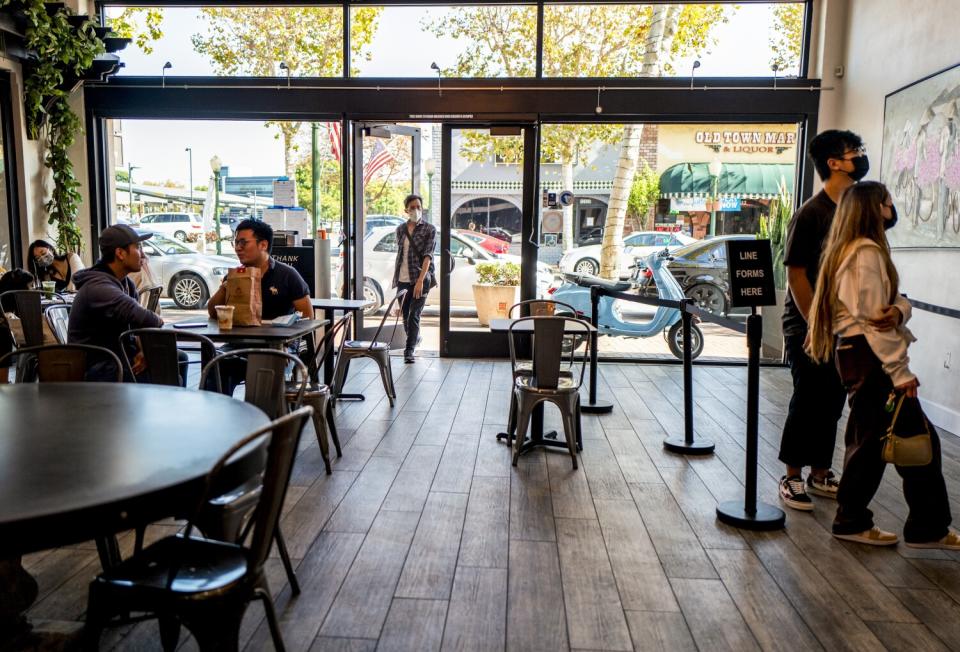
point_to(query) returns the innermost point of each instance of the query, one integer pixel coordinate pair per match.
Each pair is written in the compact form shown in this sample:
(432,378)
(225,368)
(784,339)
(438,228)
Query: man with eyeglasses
(282,289)
(810,430)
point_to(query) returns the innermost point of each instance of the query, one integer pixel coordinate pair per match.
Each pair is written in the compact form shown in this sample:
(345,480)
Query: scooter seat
(586,280)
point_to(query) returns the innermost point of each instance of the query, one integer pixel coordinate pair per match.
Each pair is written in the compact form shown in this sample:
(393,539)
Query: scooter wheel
(675,340)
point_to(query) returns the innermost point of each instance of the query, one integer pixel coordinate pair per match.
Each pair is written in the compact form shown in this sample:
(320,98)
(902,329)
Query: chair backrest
(539,308)
(266,385)
(27,305)
(159,346)
(396,301)
(58,318)
(153,298)
(548,335)
(284,436)
(339,330)
(67,363)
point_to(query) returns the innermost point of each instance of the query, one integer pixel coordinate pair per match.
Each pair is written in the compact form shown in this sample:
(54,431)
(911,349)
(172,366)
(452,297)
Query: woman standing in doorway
(858,311)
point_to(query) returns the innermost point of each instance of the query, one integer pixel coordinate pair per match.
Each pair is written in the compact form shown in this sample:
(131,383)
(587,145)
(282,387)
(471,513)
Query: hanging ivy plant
(65,50)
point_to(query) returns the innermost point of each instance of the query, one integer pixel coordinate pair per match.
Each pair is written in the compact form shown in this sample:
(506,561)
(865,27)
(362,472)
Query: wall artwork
(921,160)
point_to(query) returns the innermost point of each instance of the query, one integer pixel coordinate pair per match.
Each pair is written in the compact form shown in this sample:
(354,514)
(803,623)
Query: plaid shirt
(424,238)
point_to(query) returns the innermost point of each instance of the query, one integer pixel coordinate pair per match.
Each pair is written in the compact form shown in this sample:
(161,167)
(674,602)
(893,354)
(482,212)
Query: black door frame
(353,270)
(483,343)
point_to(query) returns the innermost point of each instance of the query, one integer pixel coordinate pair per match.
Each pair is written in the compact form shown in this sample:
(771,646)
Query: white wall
(884,45)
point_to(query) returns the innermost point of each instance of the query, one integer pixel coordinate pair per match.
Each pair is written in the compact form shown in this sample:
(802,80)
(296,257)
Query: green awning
(745,180)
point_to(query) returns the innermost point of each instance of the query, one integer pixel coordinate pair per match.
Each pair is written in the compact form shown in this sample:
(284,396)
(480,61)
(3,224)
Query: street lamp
(130,169)
(215,165)
(189,151)
(715,168)
(430,167)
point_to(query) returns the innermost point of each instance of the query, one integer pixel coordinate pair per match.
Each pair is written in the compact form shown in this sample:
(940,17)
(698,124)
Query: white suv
(179,225)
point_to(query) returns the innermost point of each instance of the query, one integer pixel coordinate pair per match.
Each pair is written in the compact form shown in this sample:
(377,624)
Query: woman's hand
(889,318)
(909,388)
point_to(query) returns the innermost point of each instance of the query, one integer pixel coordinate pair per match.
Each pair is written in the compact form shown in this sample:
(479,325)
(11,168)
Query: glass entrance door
(386,168)
(487,218)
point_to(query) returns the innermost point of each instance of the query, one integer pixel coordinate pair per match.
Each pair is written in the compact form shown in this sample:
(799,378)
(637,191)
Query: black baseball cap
(120,236)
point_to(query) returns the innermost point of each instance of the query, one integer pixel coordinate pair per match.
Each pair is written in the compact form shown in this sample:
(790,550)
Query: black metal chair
(202,584)
(268,389)
(318,395)
(159,346)
(546,382)
(27,305)
(58,319)
(152,300)
(376,350)
(66,363)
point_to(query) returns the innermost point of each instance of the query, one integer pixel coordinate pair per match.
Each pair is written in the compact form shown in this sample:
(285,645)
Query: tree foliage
(643,195)
(142,24)
(308,40)
(786,39)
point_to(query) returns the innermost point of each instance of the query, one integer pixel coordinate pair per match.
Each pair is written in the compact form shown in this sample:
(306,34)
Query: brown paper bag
(243,293)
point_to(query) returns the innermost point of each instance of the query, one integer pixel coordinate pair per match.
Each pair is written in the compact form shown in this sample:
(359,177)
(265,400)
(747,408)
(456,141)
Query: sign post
(750,263)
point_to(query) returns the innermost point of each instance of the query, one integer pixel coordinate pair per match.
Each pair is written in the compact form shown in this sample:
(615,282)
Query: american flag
(333,130)
(379,157)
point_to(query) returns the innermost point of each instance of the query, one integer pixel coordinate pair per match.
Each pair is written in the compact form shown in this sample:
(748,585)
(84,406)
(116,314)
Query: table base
(350,397)
(766,517)
(551,439)
(681,446)
(597,407)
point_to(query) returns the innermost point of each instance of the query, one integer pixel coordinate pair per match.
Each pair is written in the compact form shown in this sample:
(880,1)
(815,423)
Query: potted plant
(497,288)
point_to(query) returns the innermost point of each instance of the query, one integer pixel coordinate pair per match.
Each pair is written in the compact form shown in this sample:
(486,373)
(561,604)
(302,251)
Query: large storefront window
(466,41)
(237,41)
(165,180)
(661,40)
(6,241)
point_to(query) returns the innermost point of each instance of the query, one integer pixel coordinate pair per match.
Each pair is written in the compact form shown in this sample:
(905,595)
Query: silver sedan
(187,277)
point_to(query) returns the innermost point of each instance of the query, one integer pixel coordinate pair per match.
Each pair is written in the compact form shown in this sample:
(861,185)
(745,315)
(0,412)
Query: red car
(493,245)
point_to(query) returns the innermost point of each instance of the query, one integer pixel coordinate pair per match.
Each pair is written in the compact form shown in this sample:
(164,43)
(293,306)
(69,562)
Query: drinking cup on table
(225,317)
(49,288)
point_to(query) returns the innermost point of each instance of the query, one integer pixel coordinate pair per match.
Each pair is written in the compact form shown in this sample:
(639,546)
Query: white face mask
(414,214)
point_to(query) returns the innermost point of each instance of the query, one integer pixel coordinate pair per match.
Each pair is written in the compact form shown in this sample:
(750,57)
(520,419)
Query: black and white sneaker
(826,486)
(793,493)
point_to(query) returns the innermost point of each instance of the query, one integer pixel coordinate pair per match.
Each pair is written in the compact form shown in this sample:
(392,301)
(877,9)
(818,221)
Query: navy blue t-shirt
(280,287)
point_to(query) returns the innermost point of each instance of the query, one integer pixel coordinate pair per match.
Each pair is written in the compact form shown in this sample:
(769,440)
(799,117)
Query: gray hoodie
(105,307)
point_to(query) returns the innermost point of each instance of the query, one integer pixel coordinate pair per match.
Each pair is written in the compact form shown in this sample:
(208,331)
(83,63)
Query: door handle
(451,264)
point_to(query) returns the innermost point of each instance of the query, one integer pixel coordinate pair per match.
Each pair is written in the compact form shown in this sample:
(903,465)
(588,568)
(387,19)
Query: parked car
(701,270)
(179,225)
(188,278)
(380,254)
(586,260)
(231,221)
(498,233)
(488,242)
(376,221)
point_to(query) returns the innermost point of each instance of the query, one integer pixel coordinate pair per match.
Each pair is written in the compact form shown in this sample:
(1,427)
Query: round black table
(82,460)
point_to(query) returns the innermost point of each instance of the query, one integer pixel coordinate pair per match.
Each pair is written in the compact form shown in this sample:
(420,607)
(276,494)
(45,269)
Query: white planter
(494,301)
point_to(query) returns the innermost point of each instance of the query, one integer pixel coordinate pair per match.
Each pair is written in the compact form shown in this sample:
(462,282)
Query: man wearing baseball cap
(106,304)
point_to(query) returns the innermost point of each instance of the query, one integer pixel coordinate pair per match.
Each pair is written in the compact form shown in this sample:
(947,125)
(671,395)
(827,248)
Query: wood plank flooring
(425,538)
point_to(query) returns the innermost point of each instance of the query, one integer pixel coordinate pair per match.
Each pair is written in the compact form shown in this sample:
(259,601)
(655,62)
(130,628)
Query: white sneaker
(872,537)
(826,486)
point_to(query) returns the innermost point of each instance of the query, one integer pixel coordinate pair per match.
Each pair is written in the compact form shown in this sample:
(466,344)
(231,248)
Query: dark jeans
(810,430)
(411,309)
(923,486)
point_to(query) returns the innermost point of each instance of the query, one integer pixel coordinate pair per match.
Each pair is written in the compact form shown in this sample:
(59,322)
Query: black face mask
(861,165)
(889,224)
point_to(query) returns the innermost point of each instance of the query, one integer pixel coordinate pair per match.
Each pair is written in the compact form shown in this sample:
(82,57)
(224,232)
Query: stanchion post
(593,406)
(687,445)
(752,515)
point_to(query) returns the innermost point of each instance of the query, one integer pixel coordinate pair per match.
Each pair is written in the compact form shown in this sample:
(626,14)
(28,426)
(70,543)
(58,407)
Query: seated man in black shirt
(282,288)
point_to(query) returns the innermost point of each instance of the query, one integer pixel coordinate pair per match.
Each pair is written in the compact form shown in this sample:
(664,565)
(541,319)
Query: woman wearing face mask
(856,302)
(47,265)
(414,269)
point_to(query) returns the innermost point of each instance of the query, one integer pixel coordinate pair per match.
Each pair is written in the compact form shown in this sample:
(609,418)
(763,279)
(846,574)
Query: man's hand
(890,317)
(909,388)
(418,289)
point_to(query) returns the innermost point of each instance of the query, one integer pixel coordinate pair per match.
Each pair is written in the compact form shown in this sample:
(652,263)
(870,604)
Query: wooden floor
(426,538)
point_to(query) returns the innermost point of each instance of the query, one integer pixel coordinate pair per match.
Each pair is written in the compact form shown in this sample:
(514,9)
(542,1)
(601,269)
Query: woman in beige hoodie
(858,311)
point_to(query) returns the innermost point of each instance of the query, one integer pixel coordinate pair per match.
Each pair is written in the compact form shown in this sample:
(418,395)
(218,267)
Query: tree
(308,40)
(786,39)
(622,40)
(643,195)
(142,24)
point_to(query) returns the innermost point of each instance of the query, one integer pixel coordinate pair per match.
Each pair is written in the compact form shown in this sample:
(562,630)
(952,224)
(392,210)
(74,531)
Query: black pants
(923,486)
(810,430)
(411,309)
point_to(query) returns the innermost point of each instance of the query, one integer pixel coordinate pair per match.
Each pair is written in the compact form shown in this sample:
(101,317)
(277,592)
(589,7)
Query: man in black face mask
(810,429)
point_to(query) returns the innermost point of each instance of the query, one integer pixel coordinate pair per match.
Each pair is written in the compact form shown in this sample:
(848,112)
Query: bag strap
(413,245)
(896,413)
